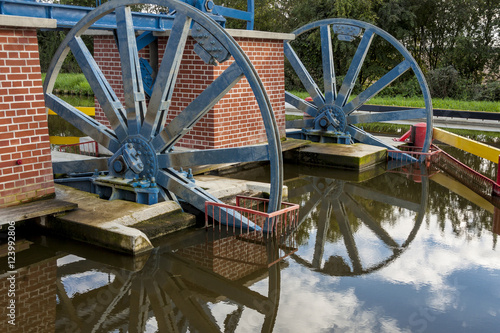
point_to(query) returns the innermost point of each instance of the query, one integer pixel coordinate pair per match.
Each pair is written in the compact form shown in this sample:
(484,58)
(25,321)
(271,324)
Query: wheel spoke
(90,165)
(101,87)
(375,88)
(367,219)
(84,123)
(347,234)
(184,121)
(135,99)
(380,197)
(214,156)
(300,104)
(386,116)
(363,137)
(167,75)
(174,181)
(321,233)
(354,68)
(161,309)
(138,310)
(328,68)
(304,76)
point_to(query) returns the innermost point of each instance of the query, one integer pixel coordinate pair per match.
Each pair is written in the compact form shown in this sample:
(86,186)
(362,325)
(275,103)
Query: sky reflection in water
(394,253)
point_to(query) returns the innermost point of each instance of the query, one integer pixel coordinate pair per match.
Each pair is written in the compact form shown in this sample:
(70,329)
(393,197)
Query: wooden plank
(34,209)
(477,148)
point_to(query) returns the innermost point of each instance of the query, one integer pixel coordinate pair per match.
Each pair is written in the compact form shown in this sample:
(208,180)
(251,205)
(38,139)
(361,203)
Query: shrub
(443,82)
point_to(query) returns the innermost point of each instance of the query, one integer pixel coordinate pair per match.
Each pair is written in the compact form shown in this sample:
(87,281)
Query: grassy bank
(437,103)
(71,84)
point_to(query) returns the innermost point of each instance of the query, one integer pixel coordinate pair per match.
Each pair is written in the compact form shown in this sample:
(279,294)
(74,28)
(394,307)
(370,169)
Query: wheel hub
(330,118)
(135,159)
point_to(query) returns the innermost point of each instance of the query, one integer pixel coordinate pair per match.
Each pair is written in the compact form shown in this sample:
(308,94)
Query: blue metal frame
(139,138)
(67,16)
(332,110)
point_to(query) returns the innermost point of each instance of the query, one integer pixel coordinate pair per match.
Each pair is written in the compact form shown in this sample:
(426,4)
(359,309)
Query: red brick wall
(235,120)
(35,298)
(24,132)
(230,257)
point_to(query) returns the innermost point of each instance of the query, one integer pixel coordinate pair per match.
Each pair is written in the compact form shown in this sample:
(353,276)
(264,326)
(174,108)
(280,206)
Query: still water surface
(376,252)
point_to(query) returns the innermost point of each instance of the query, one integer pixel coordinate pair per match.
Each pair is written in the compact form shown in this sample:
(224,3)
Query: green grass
(437,103)
(71,83)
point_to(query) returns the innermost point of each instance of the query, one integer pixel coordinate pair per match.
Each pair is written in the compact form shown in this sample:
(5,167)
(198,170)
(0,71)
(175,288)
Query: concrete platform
(118,225)
(129,227)
(357,156)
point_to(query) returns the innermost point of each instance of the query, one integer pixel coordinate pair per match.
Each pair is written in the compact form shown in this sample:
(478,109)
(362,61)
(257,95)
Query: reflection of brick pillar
(235,120)
(496,221)
(25,160)
(35,298)
(230,257)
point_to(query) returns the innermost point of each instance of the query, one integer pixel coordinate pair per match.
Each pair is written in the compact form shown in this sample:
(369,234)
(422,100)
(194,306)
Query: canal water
(405,250)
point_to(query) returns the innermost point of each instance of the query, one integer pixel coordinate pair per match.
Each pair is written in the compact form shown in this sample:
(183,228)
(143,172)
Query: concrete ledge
(240,33)
(357,156)
(118,225)
(219,187)
(260,34)
(27,22)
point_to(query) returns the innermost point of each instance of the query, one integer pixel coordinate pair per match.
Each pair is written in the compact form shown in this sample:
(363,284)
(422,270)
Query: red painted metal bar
(286,217)
(479,183)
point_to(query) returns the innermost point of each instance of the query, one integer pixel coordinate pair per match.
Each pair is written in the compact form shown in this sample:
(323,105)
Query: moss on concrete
(166,224)
(355,157)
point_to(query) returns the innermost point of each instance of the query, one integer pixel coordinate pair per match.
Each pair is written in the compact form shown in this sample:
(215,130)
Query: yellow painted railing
(477,148)
(88,110)
(64,140)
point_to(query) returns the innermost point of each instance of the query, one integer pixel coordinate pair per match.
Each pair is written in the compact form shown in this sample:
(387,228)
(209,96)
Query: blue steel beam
(67,16)
(161,96)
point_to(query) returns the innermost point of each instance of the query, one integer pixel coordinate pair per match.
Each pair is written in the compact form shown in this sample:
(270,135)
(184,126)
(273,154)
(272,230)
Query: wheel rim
(339,197)
(137,127)
(336,100)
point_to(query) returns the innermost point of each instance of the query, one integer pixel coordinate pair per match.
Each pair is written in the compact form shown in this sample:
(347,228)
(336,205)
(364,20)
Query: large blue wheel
(332,109)
(140,138)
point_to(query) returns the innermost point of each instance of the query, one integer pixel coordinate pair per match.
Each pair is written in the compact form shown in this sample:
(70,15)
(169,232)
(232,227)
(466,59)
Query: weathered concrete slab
(34,209)
(221,187)
(112,224)
(355,157)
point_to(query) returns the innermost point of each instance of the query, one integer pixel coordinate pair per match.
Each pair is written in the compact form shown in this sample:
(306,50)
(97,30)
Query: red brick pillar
(235,120)
(25,159)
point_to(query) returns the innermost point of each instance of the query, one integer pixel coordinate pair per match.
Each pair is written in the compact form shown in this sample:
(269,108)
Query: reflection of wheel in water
(174,293)
(331,108)
(140,137)
(352,206)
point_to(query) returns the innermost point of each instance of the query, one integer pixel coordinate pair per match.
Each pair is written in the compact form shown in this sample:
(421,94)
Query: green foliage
(443,82)
(49,41)
(453,41)
(71,83)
